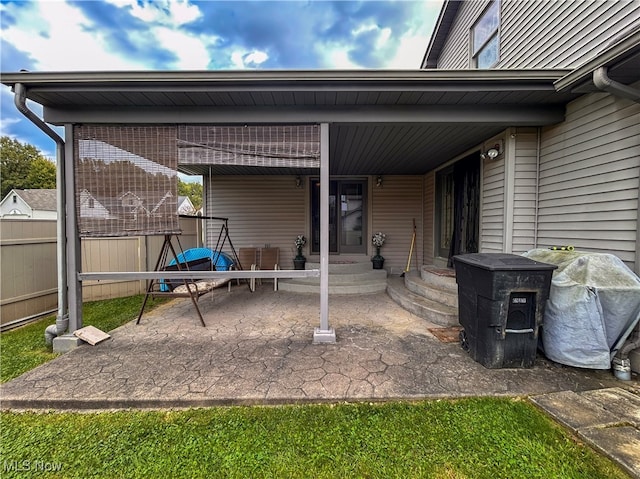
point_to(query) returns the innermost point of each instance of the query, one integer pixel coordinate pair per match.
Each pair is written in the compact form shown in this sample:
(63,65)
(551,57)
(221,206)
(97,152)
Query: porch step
(435,292)
(344,278)
(434,302)
(442,278)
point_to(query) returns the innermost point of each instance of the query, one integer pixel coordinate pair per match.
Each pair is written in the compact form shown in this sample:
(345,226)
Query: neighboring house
(185,206)
(541,148)
(31,203)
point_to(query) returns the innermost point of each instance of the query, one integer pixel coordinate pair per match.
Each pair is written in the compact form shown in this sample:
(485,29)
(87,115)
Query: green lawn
(23,349)
(469,438)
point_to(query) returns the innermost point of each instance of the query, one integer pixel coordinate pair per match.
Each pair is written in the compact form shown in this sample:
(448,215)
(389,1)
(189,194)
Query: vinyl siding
(394,206)
(524,197)
(589,174)
(553,34)
(543,33)
(261,210)
(493,204)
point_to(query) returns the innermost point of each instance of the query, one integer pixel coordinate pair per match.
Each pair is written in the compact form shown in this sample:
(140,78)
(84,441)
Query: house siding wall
(492,216)
(393,209)
(524,194)
(589,174)
(271,210)
(261,210)
(552,34)
(543,33)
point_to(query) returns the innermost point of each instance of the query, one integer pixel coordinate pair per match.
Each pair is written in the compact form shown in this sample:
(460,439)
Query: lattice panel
(285,146)
(126,180)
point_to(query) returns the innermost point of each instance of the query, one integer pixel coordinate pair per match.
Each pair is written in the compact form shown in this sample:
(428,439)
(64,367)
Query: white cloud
(191,51)
(172,13)
(70,41)
(242,59)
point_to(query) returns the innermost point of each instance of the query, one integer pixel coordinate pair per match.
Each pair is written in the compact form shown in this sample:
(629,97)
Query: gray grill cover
(593,306)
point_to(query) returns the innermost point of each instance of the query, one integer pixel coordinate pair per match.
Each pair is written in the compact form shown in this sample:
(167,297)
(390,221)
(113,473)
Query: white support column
(324,334)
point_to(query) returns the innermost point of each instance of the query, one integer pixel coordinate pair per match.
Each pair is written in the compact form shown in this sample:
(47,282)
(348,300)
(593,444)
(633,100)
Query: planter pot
(299,263)
(378,262)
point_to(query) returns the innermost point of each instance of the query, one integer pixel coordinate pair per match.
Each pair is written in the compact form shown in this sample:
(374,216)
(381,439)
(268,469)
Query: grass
(468,438)
(23,349)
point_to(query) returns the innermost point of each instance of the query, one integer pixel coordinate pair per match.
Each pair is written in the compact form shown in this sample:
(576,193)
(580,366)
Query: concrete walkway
(256,349)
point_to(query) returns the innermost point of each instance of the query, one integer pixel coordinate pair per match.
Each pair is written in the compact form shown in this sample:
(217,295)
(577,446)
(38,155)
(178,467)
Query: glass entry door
(347,216)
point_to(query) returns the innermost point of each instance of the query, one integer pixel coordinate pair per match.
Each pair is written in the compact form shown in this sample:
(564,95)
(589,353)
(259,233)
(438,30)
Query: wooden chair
(248,262)
(270,259)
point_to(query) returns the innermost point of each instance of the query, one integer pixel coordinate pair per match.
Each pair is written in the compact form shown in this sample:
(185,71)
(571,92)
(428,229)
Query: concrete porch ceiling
(381,122)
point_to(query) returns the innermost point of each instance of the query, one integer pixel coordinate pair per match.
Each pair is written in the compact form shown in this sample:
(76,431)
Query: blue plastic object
(222,261)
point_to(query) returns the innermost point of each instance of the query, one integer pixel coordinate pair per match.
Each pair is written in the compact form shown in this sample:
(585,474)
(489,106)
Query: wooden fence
(28,265)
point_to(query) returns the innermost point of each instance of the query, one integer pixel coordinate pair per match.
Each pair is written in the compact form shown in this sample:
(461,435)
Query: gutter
(62,319)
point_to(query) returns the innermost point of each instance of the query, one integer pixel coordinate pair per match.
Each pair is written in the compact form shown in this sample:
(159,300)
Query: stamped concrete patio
(256,349)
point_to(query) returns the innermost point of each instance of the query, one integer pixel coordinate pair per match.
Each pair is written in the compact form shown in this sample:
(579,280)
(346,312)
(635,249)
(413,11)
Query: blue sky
(67,35)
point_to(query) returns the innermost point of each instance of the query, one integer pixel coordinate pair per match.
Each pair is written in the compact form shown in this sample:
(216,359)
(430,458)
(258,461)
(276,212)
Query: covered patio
(256,350)
(402,124)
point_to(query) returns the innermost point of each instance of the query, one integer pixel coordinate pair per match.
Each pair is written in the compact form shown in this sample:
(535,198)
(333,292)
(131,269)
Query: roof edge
(629,45)
(440,33)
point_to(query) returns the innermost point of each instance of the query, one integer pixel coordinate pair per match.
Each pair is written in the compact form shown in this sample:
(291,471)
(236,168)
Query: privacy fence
(28,265)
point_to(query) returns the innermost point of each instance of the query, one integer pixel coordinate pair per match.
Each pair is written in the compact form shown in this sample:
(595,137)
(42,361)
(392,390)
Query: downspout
(621,363)
(62,319)
(604,83)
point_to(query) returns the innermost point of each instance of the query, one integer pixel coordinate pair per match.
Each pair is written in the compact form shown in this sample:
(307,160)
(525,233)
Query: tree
(23,166)
(193,191)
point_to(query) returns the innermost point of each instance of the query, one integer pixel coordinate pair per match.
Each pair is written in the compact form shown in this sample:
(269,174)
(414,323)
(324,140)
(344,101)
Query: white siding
(394,207)
(543,33)
(261,210)
(589,174)
(493,203)
(524,199)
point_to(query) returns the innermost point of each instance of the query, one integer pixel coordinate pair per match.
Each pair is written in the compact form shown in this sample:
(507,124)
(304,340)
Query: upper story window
(485,37)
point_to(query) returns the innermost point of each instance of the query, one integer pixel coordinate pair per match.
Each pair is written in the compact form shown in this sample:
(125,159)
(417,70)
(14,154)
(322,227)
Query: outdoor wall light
(298,182)
(492,153)
(379,181)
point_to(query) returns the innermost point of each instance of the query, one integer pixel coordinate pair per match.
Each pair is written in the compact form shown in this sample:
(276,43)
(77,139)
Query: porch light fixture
(492,153)
(298,182)
(379,181)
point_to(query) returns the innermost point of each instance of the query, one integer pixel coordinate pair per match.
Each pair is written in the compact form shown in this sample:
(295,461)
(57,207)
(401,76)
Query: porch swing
(194,259)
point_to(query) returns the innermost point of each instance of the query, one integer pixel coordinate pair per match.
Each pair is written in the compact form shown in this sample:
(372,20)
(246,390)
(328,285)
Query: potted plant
(299,261)
(378,240)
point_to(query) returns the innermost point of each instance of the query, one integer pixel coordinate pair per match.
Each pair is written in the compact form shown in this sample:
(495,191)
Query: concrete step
(437,313)
(433,292)
(442,278)
(363,287)
(344,278)
(344,268)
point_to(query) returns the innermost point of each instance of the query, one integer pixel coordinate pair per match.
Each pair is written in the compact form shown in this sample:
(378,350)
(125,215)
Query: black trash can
(501,301)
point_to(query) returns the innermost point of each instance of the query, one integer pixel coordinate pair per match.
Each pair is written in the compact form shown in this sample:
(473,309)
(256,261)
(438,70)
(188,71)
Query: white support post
(324,334)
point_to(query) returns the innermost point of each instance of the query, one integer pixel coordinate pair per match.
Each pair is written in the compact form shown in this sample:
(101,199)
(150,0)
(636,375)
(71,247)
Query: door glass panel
(346,216)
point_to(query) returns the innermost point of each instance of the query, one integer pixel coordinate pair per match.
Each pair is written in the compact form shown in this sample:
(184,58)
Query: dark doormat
(447,335)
